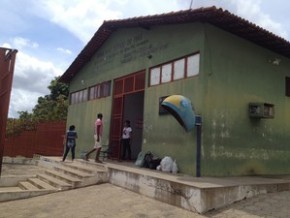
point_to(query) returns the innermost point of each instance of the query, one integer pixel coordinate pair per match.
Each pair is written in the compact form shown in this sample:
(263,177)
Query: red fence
(46,140)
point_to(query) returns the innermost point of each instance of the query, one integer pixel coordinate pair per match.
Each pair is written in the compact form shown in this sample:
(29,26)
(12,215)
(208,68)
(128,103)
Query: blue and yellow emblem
(181,108)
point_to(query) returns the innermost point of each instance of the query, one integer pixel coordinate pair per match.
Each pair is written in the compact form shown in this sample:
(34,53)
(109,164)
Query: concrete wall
(238,72)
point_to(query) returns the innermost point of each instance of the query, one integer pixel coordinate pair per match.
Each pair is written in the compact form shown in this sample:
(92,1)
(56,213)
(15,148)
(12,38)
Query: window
(79,96)
(155,76)
(100,90)
(166,73)
(178,69)
(94,92)
(193,65)
(106,89)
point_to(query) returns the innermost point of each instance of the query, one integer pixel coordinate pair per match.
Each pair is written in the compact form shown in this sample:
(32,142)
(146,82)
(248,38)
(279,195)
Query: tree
(53,106)
(48,108)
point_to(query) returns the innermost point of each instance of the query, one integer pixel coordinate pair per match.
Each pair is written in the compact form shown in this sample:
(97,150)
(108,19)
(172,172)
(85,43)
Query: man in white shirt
(126,140)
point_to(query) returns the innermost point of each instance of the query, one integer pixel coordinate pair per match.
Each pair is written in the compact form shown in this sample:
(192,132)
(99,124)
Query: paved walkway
(99,201)
(107,200)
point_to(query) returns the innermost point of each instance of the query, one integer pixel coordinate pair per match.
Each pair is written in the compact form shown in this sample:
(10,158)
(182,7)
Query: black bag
(147,159)
(154,162)
(151,161)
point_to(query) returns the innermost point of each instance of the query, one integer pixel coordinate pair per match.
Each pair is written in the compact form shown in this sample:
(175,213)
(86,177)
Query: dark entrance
(128,103)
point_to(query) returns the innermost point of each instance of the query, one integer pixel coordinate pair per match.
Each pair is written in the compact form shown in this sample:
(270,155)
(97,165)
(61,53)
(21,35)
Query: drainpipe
(198,122)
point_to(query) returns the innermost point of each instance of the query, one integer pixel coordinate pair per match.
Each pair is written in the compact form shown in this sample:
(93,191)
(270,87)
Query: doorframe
(123,86)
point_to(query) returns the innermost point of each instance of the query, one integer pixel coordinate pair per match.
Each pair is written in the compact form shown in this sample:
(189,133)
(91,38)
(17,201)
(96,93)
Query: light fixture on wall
(274,61)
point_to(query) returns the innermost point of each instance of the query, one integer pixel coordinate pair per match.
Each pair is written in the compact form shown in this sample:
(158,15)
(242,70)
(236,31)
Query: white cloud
(82,18)
(248,9)
(251,10)
(65,51)
(6,45)
(31,79)
(22,100)
(20,43)
(31,67)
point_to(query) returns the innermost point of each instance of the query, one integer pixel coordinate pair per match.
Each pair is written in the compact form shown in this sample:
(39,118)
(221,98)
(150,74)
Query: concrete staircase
(55,176)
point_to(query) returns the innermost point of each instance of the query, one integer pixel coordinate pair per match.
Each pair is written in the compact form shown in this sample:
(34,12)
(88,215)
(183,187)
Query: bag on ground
(174,167)
(140,159)
(147,159)
(166,164)
(155,161)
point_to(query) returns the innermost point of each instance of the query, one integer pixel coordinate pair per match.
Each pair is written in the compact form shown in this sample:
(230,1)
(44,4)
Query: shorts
(99,143)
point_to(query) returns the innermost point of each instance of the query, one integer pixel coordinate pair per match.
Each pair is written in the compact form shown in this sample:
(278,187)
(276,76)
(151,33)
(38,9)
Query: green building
(236,75)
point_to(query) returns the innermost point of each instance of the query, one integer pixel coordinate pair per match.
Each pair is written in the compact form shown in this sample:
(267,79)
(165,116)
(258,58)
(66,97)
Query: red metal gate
(122,86)
(7,61)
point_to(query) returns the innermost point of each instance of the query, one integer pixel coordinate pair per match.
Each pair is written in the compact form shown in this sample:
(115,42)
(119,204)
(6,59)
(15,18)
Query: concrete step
(73,172)
(10,189)
(50,179)
(41,184)
(55,176)
(90,163)
(80,167)
(15,193)
(67,178)
(25,185)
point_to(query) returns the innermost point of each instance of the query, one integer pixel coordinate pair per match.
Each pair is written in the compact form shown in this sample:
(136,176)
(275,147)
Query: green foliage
(16,126)
(51,107)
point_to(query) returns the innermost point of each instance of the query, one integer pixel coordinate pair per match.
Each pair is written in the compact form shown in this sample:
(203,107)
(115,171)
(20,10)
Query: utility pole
(191,2)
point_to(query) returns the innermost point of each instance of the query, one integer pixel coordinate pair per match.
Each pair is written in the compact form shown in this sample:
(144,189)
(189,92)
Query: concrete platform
(194,194)
(199,195)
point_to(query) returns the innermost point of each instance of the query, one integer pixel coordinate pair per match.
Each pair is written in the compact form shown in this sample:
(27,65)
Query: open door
(128,103)
(133,111)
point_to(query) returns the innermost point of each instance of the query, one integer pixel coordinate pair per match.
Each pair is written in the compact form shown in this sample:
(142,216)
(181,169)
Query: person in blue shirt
(70,142)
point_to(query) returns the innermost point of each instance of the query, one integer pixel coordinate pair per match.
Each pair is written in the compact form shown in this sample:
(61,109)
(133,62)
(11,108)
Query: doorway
(133,111)
(128,104)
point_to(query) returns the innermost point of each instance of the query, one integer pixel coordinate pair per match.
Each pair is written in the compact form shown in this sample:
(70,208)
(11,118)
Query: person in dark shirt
(70,142)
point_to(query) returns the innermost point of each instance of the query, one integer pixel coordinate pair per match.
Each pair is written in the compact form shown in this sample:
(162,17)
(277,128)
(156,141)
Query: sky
(49,34)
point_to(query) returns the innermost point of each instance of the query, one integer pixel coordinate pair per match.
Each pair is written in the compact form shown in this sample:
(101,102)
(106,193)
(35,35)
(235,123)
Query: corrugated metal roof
(217,17)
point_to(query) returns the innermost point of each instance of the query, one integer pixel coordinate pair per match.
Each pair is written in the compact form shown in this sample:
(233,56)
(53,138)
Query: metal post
(7,61)
(198,122)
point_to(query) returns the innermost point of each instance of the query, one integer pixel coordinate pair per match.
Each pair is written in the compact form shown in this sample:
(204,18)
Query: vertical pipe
(198,122)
